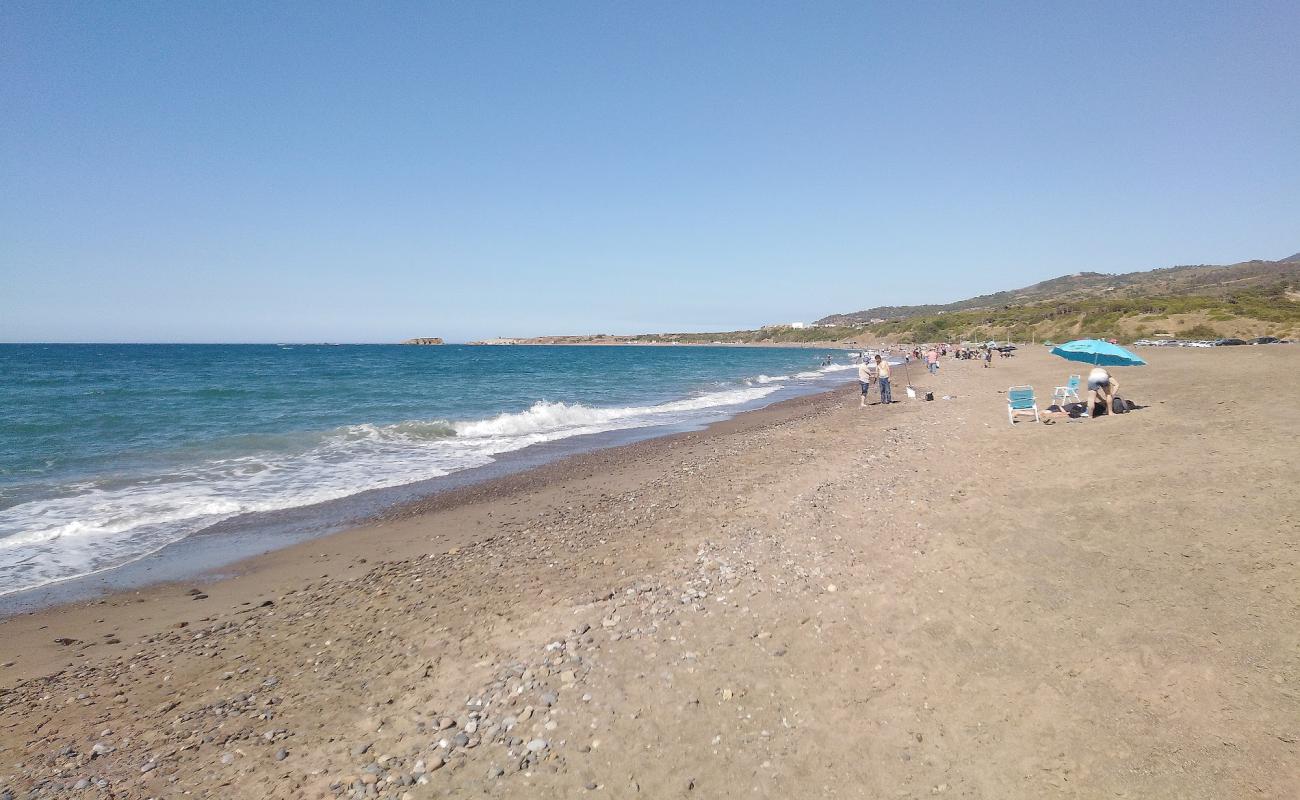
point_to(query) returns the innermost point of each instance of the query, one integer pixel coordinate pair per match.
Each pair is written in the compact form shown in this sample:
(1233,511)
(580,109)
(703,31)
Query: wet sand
(807,600)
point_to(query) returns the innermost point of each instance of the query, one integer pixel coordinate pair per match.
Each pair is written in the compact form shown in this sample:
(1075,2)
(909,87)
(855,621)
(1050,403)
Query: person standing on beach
(932,360)
(867,374)
(988,357)
(884,370)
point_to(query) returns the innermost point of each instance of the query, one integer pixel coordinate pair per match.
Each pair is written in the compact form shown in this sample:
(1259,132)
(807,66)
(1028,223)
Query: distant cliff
(424,340)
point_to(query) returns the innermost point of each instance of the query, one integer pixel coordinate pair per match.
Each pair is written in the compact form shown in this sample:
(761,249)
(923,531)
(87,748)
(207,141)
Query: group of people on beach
(875,370)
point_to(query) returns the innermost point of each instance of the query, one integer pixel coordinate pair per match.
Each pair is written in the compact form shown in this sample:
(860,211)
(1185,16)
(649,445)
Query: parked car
(1229,342)
(1265,340)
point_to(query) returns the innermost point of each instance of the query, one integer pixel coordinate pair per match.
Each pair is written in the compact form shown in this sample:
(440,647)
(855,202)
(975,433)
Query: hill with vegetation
(1171,281)
(1253,298)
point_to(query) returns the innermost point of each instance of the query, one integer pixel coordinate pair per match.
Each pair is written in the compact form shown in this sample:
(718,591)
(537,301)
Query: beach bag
(929,395)
(1118,406)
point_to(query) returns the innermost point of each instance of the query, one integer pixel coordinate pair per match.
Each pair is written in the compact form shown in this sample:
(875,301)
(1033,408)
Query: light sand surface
(813,600)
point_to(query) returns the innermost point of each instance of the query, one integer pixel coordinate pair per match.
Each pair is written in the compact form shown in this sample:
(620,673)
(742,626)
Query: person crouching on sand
(884,369)
(867,374)
(1102,389)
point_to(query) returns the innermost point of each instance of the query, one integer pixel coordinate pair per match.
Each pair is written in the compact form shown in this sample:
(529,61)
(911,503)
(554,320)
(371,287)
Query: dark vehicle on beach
(1006,348)
(1229,342)
(1265,340)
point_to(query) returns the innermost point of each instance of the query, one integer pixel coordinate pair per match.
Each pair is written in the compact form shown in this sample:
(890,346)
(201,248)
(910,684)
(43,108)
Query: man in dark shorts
(867,375)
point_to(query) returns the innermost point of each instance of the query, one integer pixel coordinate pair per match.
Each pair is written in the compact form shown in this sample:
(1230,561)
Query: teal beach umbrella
(1098,353)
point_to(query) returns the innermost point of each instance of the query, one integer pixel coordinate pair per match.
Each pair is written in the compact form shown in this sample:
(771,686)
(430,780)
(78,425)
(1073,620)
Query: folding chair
(1062,394)
(1020,400)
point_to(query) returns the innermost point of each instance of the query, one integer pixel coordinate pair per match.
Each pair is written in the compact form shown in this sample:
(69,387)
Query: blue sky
(366,172)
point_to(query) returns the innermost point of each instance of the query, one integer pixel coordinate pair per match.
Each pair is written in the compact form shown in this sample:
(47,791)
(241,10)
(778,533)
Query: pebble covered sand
(812,600)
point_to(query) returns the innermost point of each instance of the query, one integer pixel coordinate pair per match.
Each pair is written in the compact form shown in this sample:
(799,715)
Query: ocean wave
(547,417)
(86,527)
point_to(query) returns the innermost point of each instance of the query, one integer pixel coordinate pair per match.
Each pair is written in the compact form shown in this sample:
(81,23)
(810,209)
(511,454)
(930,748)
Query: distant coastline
(585,341)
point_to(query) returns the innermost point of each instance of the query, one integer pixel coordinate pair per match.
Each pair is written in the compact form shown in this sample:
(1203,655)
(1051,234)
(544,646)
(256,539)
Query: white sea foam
(92,526)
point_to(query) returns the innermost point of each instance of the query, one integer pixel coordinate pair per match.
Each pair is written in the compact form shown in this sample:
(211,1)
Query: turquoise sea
(109,453)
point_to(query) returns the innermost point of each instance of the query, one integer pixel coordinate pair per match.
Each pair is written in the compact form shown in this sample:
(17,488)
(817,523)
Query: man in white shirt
(867,374)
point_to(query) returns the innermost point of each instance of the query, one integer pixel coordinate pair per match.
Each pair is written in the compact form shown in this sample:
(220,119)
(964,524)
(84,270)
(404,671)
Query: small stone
(591,786)
(537,745)
(362,749)
(549,699)
(281,754)
(227,758)
(150,767)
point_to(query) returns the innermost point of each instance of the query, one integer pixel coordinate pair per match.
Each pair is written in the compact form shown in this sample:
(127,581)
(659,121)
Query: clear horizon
(238,173)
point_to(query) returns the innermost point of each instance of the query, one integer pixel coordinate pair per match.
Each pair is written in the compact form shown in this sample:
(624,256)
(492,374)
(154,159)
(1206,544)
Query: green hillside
(1170,281)
(1254,298)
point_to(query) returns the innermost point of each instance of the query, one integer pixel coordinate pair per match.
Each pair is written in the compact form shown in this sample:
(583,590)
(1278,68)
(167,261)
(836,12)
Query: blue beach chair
(1062,394)
(1020,400)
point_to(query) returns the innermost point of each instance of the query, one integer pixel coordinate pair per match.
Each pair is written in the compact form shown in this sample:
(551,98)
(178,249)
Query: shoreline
(465,488)
(223,545)
(708,612)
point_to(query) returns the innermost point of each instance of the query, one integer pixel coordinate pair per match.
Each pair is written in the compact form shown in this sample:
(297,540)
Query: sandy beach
(809,600)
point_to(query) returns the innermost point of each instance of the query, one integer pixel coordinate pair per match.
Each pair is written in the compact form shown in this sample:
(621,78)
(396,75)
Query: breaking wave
(88,526)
